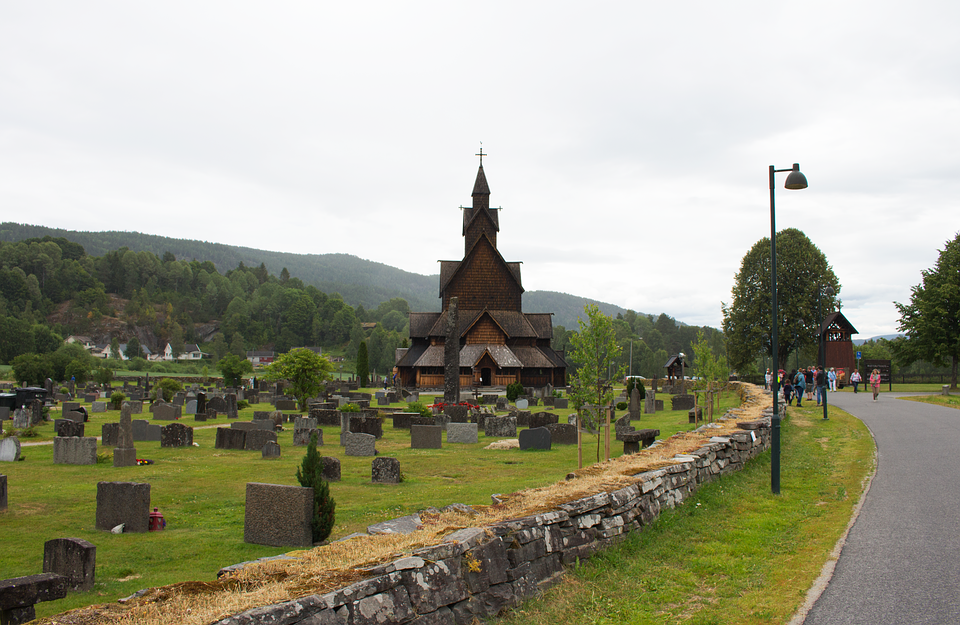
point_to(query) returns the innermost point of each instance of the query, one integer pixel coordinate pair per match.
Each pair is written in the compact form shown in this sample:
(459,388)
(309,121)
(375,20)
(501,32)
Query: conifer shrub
(310,475)
(514,390)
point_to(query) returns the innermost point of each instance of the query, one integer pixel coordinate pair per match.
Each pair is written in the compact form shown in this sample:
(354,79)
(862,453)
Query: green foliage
(641,389)
(166,388)
(133,349)
(931,320)
(418,406)
(350,408)
(363,368)
(78,370)
(103,375)
(622,405)
(233,368)
(514,390)
(802,273)
(310,475)
(116,399)
(304,369)
(31,369)
(242,404)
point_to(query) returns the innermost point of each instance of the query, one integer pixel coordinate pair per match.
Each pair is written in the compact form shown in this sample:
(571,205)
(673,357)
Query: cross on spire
(481,154)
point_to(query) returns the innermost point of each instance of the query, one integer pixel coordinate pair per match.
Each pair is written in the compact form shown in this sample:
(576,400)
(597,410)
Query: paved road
(901,562)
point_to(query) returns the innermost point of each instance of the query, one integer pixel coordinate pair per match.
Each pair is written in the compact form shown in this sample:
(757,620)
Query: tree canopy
(802,274)
(304,369)
(931,320)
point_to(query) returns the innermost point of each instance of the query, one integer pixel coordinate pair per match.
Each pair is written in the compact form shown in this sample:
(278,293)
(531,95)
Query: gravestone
(695,414)
(166,412)
(74,450)
(190,407)
(144,431)
(301,436)
(465,433)
(401,420)
(232,406)
(500,427)
(200,416)
(561,402)
(4,415)
(270,450)
(385,471)
(649,403)
(98,406)
(634,441)
(217,403)
(73,558)
(306,423)
(426,437)
(69,406)
(125,455)
(3,493)
(522,404)
(562,433)
(331,468)
(382,401)
(541,419)
(278,516)
(523,418)
(256,439)
(535,438)
(502,402)
(109,433)
(634,410)
(359,444)
(123,502)
(136,406)
(229,438)
(201,403)
(68,427)
(286,404)
(9,449)
(176,435)
(366,425)
(622,426)
(451,354)
(682,402)
(457,414)
(211,414)
(21,418)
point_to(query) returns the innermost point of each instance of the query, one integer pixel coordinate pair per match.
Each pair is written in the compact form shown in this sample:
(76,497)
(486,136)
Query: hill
(359,281)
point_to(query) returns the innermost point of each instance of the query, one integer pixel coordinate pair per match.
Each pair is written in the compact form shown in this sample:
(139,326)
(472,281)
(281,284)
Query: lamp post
(795,180)
(683,387)
(828,291)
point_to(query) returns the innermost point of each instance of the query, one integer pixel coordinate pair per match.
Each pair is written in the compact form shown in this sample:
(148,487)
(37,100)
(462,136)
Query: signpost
(883,366)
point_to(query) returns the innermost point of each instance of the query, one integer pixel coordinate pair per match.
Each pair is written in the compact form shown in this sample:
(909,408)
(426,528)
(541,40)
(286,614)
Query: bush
(418,406)
(116,399)
(138,364)
(622,405)
(242,404)
(640,388)
(168,386)
(310,475)
(103,375)
(350,408)
(514,390)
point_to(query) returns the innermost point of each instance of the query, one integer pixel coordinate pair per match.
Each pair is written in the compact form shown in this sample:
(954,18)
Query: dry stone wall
(477,572)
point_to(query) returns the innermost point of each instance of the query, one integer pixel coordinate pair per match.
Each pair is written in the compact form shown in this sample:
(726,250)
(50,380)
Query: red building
(836,332)
(499,343)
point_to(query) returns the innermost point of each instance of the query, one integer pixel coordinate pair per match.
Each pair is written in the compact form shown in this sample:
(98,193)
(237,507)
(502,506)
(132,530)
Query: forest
(51,288)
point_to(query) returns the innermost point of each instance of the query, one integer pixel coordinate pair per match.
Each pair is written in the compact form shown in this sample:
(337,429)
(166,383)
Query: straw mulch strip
(327,568)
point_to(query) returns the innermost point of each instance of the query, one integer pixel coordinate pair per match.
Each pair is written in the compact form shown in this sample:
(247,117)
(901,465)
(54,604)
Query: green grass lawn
(200,491)
(733,553)
(950,401)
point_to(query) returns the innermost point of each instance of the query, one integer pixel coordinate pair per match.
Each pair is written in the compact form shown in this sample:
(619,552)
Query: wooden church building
(837,334)
(499,343)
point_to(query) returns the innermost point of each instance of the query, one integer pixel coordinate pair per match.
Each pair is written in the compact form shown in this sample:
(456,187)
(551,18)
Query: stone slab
(535,438)
(278,516)
(426,437)
(463,433)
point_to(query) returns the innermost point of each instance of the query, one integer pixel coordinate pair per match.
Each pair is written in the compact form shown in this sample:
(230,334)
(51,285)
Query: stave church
(499,343)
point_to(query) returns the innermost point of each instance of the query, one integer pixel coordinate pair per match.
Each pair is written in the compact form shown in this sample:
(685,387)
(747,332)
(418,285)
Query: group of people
(813,381)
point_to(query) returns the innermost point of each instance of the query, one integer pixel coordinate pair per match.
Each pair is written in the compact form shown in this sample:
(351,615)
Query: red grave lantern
(157,522)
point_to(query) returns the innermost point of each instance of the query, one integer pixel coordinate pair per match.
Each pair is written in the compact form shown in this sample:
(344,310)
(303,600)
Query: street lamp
(795,180)
(828,291)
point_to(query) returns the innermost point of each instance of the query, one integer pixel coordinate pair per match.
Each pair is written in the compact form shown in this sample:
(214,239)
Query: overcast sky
(628,142)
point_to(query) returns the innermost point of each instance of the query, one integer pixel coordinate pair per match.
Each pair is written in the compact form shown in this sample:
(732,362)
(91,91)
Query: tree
(304,369)
(363,365)
(931,320)
(176,341)
(310,475)
(594,349)
(133,349)
(166,389)
(232,367)
(802,274)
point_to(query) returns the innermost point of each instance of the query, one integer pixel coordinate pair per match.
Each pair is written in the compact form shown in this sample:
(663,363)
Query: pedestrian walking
(855,379)
(832,379)
(767,377)
(875,383)
(821,378)
(799,385)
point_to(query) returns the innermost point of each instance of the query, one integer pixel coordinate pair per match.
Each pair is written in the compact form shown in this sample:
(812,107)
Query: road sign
(858,356)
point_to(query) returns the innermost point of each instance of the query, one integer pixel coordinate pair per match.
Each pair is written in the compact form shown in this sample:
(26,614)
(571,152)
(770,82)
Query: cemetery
(389,464)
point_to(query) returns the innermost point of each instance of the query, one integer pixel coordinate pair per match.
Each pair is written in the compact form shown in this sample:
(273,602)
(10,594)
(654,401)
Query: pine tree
(363,365)
(310,475)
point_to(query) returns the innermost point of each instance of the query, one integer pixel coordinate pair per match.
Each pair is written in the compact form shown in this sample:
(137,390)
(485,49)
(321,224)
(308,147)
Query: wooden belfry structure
(499,343)
(836,332)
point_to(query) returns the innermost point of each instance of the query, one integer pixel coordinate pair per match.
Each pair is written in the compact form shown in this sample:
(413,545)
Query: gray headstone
(562,433)
(465,433)
(541,419)
(166,412)
(682,402)
(522,404)
(190,407)
(9,449)
(286,404)
(74,559)
(331,468)
(68,427)
(385,471)
(278,516)
(500,427)
(256,439)
(560,402)
(143,430)
(457,414)
(535,438)
(217,403)
(99,406)
(304,423)
(176,435)
(270,450)
(21,418)
(426,437)
(123,502)
(229,438)
(359,444)
(3,493)
(301,436)
(109,434)
(74,450)
(366,425)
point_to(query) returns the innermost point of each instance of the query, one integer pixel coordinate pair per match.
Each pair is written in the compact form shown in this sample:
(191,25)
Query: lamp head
(828,291)
(795,180)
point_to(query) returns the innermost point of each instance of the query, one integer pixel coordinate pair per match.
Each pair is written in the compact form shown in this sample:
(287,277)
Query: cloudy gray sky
(628,142)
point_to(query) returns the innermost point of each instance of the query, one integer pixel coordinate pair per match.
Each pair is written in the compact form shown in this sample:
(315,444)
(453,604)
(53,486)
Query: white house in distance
(191,351)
